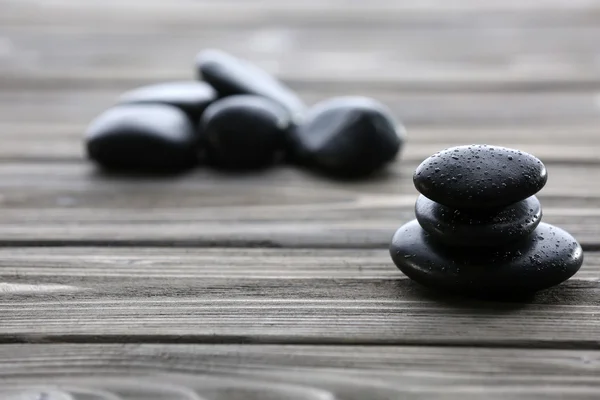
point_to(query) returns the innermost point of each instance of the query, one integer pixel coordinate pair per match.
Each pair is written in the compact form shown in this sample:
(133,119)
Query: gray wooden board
(498,47)
(554,110)
(270,296)
(252,12)
(517,73)
(74,203)
(493,58)
(55,142)
(258,372)
(49,125)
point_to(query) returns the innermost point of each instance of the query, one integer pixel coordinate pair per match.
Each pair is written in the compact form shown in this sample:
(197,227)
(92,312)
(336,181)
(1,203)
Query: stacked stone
(478,228)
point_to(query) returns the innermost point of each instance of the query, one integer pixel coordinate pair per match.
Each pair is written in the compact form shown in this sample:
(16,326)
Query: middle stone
(478,227)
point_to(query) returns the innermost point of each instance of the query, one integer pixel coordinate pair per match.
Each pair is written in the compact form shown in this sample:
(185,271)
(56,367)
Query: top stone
(479,176)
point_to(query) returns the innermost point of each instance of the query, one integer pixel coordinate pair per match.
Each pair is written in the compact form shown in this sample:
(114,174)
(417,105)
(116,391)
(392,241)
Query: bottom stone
(546,258)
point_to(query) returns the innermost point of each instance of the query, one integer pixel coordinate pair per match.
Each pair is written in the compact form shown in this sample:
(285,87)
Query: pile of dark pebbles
(238,117)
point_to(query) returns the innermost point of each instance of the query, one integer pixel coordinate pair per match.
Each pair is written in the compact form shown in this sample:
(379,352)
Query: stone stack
(478,228)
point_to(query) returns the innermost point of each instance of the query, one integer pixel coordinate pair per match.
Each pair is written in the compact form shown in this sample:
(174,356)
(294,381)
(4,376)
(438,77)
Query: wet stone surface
(480,176)
(142,137)
(243,132)
(476,227)
(347,136)
(546,258)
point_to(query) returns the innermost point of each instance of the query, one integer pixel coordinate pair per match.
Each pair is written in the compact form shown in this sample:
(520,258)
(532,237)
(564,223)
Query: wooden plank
(299,372)
(76,266)
(49,125)
(545,46)
(270,296)
(340,225)
(232,12)
(497,59)
(57,203)
(557,110)
(578,144)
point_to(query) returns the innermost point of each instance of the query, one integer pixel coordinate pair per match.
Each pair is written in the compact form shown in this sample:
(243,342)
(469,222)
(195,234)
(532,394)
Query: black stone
(230,75)
(468,227)
(350,136)
(244,131)
(546,258)
(142,137)
(191,97)
(480,176)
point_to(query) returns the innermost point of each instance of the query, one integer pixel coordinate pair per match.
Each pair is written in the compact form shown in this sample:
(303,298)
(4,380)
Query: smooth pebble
(546,258)
(231,75)
(244,131)
(476,227)
(349,136)
(145,137)
(480,176)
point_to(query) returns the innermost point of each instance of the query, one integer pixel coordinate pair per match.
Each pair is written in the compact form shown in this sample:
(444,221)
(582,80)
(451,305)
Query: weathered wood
(55,142)
(55,179)
(207,12)
(340,227)
(495,60)
(433,110)
(516,73)
(73,203)
(485,48)
(299,372)
(278,296)
(557,127)
(75,265)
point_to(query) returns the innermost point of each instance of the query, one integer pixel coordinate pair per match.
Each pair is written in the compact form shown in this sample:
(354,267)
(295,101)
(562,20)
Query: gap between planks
(258,341)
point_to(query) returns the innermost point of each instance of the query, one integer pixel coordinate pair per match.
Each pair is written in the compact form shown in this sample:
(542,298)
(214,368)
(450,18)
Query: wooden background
(278,285)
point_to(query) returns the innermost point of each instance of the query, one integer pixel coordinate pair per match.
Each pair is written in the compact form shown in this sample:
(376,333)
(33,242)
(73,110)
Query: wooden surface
(302,372)
(278,285)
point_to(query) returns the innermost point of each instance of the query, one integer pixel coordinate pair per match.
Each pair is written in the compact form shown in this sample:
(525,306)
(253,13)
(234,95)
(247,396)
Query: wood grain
(559,127)
(577,144)
(222,372)
(279,284)
(232,12)
(498,59)
(71,203)
(555,110)
(270,296)
(542,46)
